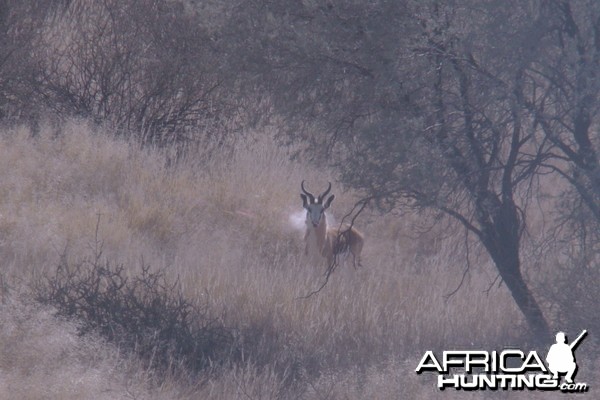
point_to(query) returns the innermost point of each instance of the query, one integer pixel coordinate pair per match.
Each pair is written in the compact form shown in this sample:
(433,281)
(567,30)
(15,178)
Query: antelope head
(315,208)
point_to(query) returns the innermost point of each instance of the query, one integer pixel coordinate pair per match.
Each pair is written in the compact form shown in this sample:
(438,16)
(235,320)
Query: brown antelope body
(326,242)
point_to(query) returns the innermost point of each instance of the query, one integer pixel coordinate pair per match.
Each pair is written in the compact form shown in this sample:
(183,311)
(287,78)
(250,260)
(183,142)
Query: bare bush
(145,68)
(144,314)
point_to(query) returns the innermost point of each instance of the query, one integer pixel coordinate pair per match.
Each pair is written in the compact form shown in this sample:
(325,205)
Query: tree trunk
(501,237)
(509,267)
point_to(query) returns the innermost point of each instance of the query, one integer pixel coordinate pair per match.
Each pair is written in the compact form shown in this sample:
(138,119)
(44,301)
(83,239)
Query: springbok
(324,241)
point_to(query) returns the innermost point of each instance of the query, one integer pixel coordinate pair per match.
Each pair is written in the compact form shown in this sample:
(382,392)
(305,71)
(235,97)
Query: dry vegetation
(222,230)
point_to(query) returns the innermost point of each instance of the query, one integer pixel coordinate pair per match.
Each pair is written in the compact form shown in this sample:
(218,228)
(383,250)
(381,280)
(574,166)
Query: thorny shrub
(144,314)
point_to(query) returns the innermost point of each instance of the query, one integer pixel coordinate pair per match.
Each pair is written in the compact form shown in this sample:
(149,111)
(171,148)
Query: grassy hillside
(227,231)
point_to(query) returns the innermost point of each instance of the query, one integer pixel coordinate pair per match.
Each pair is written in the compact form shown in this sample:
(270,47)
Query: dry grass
(42,357)
(224,229)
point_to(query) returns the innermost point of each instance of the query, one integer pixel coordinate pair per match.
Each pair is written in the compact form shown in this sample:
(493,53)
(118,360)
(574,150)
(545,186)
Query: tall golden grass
(222,229)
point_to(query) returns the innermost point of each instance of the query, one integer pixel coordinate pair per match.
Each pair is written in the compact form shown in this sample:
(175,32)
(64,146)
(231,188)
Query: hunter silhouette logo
(509,369)
(560,357)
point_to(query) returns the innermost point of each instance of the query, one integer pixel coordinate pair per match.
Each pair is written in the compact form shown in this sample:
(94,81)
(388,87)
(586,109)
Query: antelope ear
(304,201)
(328,202)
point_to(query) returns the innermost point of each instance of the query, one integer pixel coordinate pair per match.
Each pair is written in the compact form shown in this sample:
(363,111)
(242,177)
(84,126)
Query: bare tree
(443,106)
(476,151)
(565,101)
(143,67)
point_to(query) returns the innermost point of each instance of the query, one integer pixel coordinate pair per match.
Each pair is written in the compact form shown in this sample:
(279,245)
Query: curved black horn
(321,197)
(309,194)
